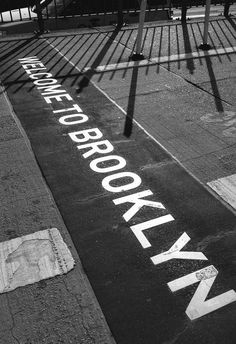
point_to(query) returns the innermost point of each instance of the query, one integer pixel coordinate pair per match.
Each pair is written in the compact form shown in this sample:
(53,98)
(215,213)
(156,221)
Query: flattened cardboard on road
(32,258)
(107,228)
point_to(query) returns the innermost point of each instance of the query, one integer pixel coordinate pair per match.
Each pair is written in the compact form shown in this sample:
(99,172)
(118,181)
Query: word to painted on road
(32,258)
(91,142)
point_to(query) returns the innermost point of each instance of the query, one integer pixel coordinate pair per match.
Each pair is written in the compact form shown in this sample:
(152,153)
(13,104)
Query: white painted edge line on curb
(163,59)
(226,188)
(32,258)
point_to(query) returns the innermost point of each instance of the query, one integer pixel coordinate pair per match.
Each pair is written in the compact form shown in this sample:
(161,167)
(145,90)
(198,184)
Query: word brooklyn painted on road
(116,180)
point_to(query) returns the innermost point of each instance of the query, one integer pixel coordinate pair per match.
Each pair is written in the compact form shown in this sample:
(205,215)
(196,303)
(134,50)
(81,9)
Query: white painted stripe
(194,277)
(31,258)
(163,59)
(175,253)
(138,203)
(198,305)
(226,188)
(139,228)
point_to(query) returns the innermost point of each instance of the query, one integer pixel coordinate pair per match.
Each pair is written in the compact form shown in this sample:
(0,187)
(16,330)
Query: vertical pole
(206,24)
(141,24)
(40,17)
(184,11)
(120,15)
(226,8)
(168,4)
(138,55)
(205,45)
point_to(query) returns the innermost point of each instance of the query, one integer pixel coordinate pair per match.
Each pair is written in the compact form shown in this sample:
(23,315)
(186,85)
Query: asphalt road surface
(158,248)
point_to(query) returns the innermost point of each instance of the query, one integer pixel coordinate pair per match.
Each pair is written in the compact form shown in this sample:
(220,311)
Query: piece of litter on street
(34,257)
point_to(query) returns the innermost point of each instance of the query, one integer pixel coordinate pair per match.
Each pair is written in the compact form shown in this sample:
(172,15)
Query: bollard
(184,11)
(226,8)
(137,56)
(205,45)
(168,5)
(120,15)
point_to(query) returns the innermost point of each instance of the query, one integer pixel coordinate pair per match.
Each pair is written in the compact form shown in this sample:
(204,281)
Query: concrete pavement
(187,106)
(58,310)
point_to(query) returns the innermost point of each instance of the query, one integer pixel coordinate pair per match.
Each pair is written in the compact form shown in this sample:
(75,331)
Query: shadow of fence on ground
(87,51)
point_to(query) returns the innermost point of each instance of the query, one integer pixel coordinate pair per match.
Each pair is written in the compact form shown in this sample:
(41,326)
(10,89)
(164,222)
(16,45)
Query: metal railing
(20,10)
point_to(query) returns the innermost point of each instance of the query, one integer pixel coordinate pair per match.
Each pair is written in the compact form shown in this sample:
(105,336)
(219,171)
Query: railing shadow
(39,50)
(24,44)
(189,33)
(8,62)
(87,52)
(131,103)
(186,41)
(187,47)
(214,86)
(232,23)
(84,82)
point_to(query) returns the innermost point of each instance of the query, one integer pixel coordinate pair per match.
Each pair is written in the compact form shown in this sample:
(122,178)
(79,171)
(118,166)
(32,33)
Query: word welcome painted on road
(91,142)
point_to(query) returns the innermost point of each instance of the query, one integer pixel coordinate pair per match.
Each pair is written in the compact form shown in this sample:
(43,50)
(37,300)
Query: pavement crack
(13,321)
(177,336)
(197,86)
(158,164)
(215,238)
(91,198)
(87,331)
(208,92)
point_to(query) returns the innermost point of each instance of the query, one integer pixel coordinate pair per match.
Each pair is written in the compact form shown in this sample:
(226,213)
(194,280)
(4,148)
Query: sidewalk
(186,105)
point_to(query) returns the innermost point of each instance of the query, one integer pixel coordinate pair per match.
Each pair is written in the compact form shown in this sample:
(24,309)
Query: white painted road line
(198,305)
(31,258)
(226,188)
(140,227)
(163,59)
(175,252)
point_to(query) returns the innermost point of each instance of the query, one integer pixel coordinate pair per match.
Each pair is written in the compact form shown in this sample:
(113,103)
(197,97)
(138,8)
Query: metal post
(138,55)
(120,15)
(205,45)
(226,8)
(168,4)
(184,11)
